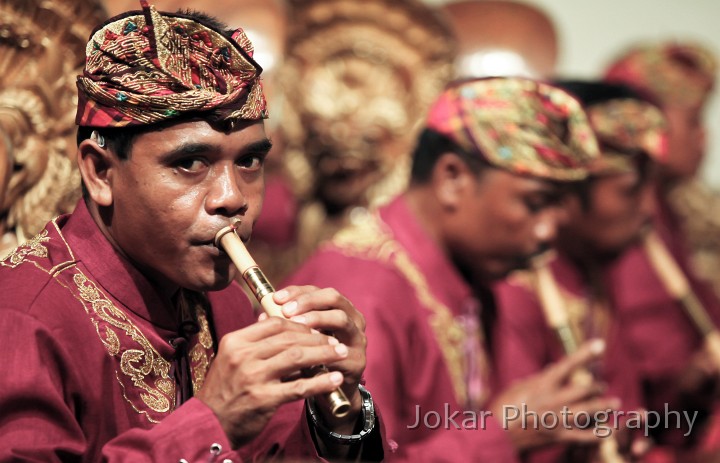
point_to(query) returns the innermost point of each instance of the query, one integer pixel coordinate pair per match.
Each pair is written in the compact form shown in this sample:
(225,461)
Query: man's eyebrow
(192,148)
(261,146)
(187,149)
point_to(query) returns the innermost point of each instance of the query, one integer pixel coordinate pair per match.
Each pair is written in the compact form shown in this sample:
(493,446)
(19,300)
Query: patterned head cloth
(145,67)
(673,74)
(521,125)
(625,129)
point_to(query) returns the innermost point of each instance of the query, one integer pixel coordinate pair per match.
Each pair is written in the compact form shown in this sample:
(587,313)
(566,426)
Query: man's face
(620,207)
(686,141)
(179,186)
(506,220)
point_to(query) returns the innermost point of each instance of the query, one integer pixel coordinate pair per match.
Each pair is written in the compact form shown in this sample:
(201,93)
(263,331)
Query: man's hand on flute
(256,369)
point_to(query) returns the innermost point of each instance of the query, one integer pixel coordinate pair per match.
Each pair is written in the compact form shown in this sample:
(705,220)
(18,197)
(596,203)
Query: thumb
(589,351)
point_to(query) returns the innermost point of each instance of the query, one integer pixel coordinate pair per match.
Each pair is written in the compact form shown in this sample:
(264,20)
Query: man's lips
(211,242)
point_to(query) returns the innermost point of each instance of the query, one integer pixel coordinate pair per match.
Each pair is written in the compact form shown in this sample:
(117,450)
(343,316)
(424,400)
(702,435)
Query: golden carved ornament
(42,46)
(357,80)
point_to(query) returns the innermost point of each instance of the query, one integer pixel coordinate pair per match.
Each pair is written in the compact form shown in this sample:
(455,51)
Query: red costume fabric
(650,338)
(523,344)
(662,335)
(98,367)
(425,354)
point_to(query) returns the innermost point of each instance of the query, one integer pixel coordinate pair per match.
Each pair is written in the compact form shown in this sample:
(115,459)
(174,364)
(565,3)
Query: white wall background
(591,33)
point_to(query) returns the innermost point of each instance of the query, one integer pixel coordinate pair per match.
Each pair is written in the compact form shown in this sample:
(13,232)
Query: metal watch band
(368,420)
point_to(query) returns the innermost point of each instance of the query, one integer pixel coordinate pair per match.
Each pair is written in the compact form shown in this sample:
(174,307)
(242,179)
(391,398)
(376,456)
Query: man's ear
(96,165)
(451,179)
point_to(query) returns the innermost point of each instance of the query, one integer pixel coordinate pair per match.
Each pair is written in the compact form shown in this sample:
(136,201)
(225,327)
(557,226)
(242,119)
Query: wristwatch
(368,420)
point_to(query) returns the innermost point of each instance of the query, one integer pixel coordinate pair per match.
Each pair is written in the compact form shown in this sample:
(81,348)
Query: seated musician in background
(680,78)
(125,338)
(676,365)
(485,193)
(607,215)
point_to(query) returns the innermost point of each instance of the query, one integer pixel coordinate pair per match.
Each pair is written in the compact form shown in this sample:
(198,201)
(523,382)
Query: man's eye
(251,163)
(538,203)
(535,205)
(190,164)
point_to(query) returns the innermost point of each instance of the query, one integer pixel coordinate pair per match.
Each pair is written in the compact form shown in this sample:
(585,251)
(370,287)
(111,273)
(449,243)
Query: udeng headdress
(521,125)
(673,74)
(146,66)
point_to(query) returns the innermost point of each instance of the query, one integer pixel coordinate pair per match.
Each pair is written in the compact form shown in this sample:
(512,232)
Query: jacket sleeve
(41,408)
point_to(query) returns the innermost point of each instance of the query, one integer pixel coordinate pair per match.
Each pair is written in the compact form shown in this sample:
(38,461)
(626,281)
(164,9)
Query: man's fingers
(563,369)
(298,300)
(599,404)
(302,387)
(338,322)
(570,395)
(274,345)
(579,436)
(264,329)
(297,358)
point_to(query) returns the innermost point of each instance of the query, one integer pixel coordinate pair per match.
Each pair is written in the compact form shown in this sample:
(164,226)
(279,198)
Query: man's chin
(216,281)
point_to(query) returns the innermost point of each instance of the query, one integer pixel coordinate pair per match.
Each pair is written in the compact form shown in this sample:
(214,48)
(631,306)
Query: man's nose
(545,229)
(225,196)
(547,225)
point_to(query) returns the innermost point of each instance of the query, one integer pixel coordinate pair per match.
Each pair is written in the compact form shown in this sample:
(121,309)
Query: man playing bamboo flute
(125,338)
(485,196)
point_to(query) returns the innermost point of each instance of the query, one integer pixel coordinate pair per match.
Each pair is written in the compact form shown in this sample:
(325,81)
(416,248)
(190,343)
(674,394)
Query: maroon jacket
(91,361)
(425,350)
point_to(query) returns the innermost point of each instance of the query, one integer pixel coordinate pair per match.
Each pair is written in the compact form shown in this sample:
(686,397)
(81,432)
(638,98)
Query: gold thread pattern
(140,365)
(369,239)
(146,368)
(201,354)
(32,247)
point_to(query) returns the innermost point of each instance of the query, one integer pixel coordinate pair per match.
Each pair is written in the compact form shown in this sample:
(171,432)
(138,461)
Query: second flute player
(130,341)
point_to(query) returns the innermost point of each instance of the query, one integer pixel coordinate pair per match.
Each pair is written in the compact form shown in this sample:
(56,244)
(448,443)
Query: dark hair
(590,93)
(594,92)
(430,146)
(119,140)
(207,20)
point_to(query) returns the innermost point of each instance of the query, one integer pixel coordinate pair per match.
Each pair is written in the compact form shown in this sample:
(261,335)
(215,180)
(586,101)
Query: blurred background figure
(42,49)
(502,38)
(357,79)
(681,78)
(606,215)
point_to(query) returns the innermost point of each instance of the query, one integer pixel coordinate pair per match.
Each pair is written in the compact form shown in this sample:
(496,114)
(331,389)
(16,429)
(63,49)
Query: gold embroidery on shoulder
(448,331)
(141,365)
(32,247)
(367,236)
(370,238)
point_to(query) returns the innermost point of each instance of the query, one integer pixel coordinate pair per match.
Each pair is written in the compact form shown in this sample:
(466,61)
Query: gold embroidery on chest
(145,366)
(32,247)
(201,354)
(369,239)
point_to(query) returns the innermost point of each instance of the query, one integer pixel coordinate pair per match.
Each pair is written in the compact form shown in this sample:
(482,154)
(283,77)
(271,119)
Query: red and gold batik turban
(673,74)
(145,67)
(521,125)
(626,128)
